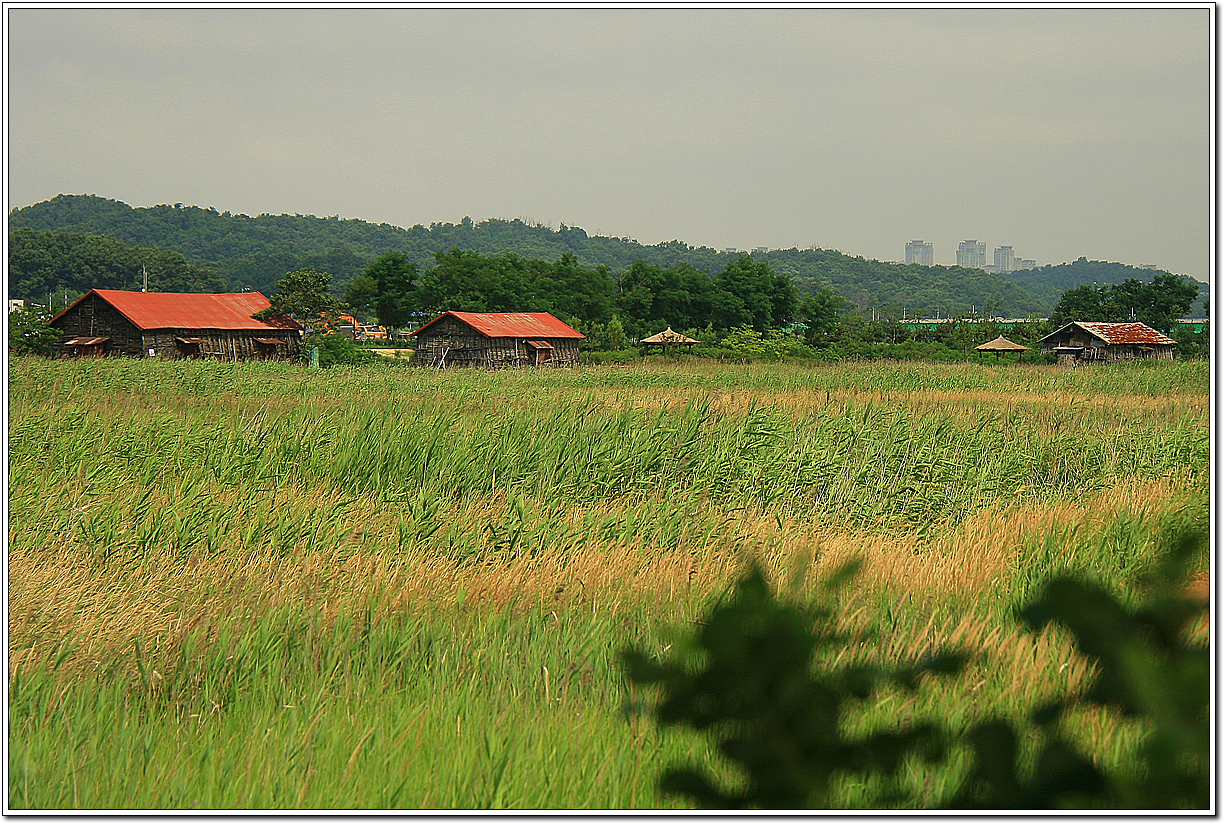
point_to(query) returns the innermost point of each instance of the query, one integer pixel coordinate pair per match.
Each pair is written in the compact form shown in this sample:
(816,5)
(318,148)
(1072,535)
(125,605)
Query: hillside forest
(613,289)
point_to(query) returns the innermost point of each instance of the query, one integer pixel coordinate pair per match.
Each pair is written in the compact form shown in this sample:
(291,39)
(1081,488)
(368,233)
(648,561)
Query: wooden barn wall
(1096,350)
(94,317)
(222,344)
(450,342)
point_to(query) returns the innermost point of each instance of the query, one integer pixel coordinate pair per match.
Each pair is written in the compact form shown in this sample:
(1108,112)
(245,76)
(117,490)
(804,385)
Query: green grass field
(242,586)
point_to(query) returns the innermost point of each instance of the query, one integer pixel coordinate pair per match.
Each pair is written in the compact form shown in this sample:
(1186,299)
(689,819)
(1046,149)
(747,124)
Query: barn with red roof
(172,325)
(496,340)
(1090,341)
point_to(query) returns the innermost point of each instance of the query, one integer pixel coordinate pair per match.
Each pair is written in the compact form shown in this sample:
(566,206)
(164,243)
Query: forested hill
(243,251)
(1047,283)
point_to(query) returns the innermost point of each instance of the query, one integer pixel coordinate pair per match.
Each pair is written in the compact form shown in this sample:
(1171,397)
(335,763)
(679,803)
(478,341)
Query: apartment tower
(916,251)
(971,254)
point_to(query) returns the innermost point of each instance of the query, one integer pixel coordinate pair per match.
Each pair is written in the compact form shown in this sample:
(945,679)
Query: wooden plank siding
(94,317)
(452,343)
(1095,350)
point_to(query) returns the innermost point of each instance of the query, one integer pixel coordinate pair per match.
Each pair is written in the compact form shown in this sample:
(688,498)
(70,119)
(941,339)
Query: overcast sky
(1059,131)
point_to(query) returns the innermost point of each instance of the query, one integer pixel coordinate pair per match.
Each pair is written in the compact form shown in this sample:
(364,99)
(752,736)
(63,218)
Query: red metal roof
(511,324)
(172,310)
(1120,332)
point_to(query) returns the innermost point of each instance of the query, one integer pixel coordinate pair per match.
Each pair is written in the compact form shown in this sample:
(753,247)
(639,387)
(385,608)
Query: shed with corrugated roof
(496,340)
(173,325)
(1095,342)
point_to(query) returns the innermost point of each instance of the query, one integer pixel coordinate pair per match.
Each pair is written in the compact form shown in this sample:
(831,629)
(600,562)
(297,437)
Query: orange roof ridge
(511,324)
(189,310)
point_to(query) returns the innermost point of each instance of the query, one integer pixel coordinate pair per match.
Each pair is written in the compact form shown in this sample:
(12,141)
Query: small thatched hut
(1000,345)
(668,338)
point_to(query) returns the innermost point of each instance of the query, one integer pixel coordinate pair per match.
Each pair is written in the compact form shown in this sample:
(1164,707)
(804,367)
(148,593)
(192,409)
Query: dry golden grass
(105,604)
(1047,409)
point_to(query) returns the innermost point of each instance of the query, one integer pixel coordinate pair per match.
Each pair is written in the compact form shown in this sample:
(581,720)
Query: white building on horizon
(971,254)
(920,252)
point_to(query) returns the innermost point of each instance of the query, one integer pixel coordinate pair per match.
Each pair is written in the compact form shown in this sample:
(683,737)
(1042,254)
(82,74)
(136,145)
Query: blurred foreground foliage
(748,679)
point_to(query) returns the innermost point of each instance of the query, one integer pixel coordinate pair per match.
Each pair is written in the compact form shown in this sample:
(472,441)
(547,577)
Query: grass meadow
(247,586)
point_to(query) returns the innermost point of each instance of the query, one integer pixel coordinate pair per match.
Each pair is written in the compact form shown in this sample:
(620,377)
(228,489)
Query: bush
(337,350)
(747,344)
(1190,344)
(31,333)
(614,356)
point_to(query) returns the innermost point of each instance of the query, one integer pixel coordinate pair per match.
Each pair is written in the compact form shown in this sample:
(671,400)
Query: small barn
(172,325)
(1093,342)
(496,340)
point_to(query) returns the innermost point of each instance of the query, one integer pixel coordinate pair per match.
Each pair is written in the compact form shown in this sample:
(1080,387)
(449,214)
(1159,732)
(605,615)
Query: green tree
(395,288)
(361,294)
(42,262)
(1166,298)
(819,311)
(675,295)
(748,678)
(303,295)
(755,295)
(1158,303)
(30,332)
(608,336)
(1191,344)
(572,290)
(1081,303)
(471,282)
(255,251)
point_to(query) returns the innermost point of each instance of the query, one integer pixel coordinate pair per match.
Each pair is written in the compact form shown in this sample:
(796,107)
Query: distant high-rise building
(1005,259)
(971,254)
(917,251)
(1025,263)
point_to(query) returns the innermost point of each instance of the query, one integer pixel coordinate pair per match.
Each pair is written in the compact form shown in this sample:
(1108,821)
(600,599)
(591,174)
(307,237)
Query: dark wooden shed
(1089,341)
(496,340)
(174,325)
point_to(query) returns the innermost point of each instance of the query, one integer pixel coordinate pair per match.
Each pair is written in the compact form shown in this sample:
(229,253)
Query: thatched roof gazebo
(668,338)
(1000,345)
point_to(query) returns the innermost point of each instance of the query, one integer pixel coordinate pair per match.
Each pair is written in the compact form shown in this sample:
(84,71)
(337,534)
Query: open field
(254,585)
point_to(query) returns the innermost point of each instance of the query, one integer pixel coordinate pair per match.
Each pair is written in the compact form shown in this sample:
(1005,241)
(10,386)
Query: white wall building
(920,252)
(971,254)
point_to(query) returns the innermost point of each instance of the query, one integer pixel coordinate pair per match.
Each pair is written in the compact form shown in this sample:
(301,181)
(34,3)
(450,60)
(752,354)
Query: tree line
(254,252)
(1158,303)
(748,296)
(644,299)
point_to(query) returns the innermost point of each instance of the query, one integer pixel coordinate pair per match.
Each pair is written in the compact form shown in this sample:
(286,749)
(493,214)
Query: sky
(1062,132)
